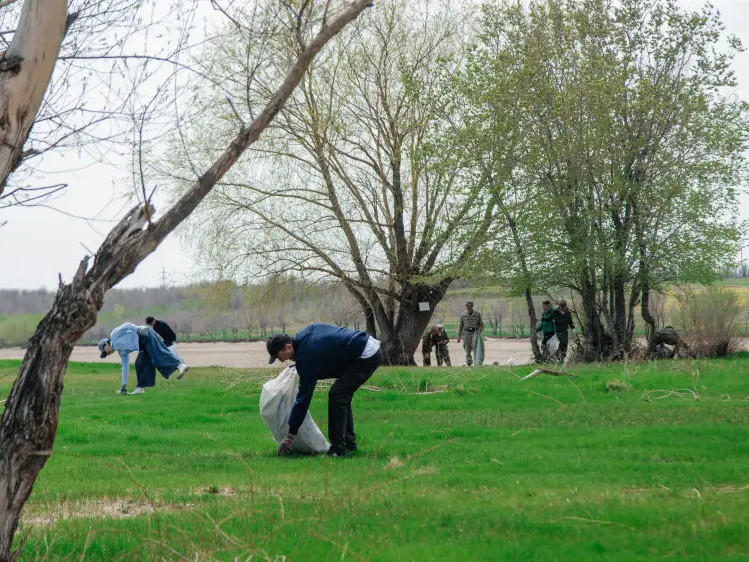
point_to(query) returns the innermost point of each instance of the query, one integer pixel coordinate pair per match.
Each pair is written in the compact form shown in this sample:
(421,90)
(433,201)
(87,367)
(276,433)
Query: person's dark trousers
(340,416)
(153,355)
(443,355)
(563,338)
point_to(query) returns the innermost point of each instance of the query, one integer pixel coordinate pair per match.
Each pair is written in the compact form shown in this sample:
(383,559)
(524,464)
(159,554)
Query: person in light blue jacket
(152,355)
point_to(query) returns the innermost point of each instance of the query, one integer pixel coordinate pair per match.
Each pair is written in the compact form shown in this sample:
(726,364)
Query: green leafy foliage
(611,147)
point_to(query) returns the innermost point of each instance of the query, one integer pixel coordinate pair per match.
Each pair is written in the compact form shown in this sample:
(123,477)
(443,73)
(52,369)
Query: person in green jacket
(546,326)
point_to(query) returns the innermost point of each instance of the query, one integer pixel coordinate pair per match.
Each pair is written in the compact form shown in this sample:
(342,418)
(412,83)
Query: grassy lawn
(479,467)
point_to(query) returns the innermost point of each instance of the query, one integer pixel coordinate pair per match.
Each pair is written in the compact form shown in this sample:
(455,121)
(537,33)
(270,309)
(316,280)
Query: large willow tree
(631,152)
(353,190)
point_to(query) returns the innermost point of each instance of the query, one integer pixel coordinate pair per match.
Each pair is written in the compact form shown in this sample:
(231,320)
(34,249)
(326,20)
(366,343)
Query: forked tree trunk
(29,422)
(595,341)
(400,339)
(398,347)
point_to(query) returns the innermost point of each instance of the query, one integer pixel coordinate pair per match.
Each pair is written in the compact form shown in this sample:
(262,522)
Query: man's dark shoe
(352,446)
(336,453)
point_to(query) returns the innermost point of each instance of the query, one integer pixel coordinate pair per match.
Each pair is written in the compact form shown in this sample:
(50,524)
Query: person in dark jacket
(322,351)
(546,326)
(562,323)
(163,329)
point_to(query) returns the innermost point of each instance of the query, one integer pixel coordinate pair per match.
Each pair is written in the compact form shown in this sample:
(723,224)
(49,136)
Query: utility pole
(163,277)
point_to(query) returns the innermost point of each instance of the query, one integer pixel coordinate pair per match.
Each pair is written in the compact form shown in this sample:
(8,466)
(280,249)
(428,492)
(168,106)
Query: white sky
(39,243)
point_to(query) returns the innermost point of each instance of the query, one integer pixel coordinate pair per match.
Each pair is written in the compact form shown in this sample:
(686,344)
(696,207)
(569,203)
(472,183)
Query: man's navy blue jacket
(321,351)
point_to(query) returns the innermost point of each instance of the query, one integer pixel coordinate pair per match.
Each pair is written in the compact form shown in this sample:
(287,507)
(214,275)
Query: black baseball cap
(275,344)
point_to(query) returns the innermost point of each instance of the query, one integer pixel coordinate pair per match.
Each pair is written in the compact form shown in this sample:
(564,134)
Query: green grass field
(455,464)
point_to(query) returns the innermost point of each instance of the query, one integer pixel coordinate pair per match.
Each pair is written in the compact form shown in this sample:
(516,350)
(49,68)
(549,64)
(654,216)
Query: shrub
(708,322)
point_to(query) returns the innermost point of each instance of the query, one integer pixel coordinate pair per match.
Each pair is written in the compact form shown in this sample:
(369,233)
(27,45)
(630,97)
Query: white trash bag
(276,400)
(552,345)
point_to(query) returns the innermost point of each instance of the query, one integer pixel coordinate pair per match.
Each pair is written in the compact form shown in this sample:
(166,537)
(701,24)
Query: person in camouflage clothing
(427,343)
(440,340)
(469,330)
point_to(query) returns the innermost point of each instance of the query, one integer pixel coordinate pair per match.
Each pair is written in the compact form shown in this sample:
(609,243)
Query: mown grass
(455,464)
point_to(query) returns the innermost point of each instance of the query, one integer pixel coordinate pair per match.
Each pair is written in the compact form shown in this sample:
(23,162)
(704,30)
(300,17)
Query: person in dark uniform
(469,330)
(322,351)
(427,344)
(562,323)
(163,329)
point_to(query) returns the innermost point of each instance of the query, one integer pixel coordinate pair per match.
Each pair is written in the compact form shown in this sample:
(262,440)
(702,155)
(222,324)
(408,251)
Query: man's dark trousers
(545,342)
(563,337)
(340,416)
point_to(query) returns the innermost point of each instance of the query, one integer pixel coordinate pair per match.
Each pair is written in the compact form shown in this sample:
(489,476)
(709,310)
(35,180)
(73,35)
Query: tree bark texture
(648,317)
(29,421)
(533,322)
(25,70)
(401,338)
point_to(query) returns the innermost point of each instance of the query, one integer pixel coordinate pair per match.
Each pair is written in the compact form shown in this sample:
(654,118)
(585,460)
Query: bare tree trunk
(25,70)
(29,422)
(595,344)
(400,340)
(520,253)
(371,324)
(648,317)
(400,345)
(633,301)
(533,320)
(620,316)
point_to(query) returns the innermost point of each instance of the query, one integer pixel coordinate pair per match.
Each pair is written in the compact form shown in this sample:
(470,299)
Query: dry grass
(618,386)
(709,321)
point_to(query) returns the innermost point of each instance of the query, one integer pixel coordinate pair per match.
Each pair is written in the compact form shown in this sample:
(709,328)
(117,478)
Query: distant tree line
(225,311)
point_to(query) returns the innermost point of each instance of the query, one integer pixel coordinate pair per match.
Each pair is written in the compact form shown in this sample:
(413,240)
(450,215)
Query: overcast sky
(37,244)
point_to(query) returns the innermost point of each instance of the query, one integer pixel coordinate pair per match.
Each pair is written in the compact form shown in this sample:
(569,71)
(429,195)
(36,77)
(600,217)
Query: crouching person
(322,351)
(152,355)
